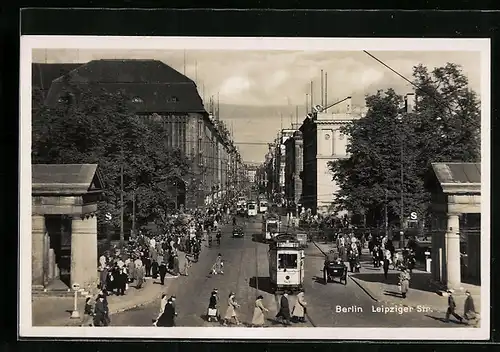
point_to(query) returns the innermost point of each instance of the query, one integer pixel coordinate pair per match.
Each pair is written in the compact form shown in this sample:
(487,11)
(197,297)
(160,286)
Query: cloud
(256,87)
(235,86)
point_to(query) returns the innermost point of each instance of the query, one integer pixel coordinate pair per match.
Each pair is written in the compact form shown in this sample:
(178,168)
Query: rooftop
(66,178)
(458,177)
(152,85)
(43,74)
(457,172)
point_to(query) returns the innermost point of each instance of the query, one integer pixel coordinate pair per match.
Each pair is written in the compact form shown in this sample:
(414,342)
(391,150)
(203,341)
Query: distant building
(157,91)
(252,173)
(323,142)
(280,162)
(293,170)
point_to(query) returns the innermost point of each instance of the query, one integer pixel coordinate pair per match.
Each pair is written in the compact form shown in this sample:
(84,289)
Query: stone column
(84,250)
(37,249)
(52,264)
(453,279)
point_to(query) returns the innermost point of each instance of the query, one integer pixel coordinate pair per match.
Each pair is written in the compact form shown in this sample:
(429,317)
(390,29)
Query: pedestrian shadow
(393,294)
(262,283)
(274,321)
(204,317)
(419,281)
(443,320)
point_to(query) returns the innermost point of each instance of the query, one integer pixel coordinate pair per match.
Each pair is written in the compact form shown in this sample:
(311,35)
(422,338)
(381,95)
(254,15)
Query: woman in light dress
(299,309)
(232,305)
(258,318)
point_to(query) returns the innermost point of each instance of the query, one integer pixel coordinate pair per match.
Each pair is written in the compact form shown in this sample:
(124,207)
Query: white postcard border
(28,43)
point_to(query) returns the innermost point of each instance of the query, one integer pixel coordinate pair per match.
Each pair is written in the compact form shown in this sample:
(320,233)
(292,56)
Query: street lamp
(401,216)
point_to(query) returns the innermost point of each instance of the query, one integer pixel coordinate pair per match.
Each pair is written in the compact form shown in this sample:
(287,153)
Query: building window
(137,100)
(66,98)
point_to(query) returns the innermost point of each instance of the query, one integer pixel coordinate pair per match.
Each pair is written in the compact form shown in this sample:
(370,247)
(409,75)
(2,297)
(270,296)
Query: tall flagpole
(322,87)
(122,230)
(312,104)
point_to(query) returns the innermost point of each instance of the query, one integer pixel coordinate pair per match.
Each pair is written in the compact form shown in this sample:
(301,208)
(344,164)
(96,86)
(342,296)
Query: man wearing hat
(469,308)
(451,307)
(284,312)
(100,312)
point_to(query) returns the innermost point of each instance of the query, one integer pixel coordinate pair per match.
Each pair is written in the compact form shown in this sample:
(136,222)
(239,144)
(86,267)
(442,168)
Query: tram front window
(272,227)
(287,261)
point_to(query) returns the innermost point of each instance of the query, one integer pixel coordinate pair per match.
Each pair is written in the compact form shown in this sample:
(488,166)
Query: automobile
(335,269)
(238,232)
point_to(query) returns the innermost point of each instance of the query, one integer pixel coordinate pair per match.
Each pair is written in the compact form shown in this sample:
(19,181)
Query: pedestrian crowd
(285,315)
(152,255)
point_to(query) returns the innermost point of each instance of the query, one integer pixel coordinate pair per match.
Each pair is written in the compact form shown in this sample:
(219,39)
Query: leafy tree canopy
(445,126)
(90,126)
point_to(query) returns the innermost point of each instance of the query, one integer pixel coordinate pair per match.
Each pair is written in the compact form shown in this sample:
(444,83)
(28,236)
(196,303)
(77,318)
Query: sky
(259,91)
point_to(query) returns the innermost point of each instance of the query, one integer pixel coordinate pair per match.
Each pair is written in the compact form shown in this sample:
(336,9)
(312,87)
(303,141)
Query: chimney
(348,105)
(410,102)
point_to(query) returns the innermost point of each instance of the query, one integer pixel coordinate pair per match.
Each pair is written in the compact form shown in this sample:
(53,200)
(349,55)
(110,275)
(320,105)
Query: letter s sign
(413,216)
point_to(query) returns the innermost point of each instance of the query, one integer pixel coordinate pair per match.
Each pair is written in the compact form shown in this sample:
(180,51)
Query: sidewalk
(424,293)
(56,311)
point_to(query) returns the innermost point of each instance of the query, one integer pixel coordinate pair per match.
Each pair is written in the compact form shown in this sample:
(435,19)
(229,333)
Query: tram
(262,206)
(271,226)
(252,209)
(286,264)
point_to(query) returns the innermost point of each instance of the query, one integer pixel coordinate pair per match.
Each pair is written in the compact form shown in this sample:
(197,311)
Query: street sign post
(75,314)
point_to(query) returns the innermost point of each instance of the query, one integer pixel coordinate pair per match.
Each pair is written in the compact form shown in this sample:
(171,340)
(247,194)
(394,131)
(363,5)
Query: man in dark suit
(284,312)
(163,271)
(451,308)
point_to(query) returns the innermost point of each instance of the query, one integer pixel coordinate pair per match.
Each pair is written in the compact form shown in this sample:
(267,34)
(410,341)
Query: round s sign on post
(413,216)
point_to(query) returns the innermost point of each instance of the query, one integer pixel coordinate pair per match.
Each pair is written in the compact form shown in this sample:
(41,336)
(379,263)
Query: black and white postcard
(254,188)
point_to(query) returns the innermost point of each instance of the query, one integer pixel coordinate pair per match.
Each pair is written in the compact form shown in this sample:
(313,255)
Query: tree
(372,173)
(444,127)
(449,113)
(91,125)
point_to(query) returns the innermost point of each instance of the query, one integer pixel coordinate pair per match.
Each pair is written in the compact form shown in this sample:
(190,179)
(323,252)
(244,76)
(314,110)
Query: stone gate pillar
(453,279)
(84,250)
(38,249)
